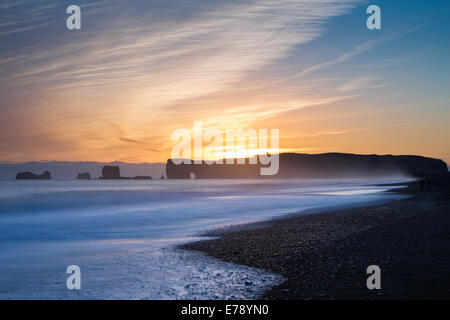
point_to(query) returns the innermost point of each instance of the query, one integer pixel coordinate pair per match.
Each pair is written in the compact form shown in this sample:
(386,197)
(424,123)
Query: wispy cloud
(346,56)
(27,15)
(168,62)
(360,83)
(134,69)
(342,58)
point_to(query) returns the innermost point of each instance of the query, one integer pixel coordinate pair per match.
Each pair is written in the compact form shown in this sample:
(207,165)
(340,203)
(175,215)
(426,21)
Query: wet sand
(325,255)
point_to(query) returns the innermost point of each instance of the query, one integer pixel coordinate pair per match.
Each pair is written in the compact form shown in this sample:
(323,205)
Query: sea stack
(32,176)
(110,172)
(84,176)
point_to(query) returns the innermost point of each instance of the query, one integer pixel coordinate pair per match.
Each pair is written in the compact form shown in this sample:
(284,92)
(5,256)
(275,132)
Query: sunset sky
(138,70)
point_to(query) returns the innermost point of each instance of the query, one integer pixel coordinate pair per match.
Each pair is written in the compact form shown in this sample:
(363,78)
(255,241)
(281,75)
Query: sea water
(123,234)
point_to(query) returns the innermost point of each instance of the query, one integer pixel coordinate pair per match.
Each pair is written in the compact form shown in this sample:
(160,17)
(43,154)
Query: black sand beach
(325,256)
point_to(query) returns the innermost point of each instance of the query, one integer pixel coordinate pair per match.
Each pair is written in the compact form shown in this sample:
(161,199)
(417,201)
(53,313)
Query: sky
(138,70)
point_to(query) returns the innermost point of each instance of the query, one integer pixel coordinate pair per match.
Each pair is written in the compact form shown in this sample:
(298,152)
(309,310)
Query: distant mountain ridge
(326,165)
(66,170)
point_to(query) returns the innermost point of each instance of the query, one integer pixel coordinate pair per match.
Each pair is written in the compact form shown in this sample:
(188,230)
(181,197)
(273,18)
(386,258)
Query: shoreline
(325,255)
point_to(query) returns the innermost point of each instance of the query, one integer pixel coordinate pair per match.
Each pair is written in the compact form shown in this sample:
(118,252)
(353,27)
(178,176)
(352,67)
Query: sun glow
(242,153)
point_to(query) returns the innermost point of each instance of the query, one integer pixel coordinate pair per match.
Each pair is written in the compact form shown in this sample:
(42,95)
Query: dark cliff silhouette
(31,176)
(110,172)
(327,165)
(84,176)
(113,172)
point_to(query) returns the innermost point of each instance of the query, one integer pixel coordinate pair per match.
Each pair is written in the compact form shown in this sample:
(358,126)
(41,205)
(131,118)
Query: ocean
(123,234)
